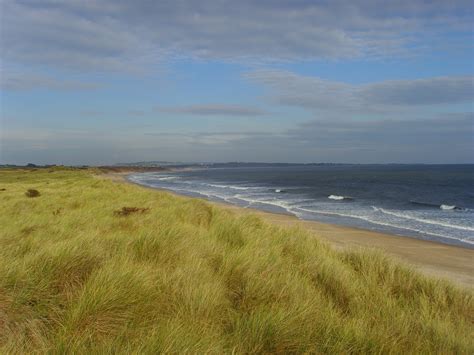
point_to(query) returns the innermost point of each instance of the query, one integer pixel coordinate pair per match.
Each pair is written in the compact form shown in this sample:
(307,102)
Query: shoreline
(435,259)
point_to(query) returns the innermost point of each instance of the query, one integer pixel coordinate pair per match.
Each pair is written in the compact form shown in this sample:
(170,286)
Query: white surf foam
(422,220)
(339,198)
(165,178)
(447,207)
(287,205)
(387,224)
(233,187)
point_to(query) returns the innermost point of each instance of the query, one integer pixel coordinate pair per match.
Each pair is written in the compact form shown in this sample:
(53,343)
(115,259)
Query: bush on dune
(127,211)
(32,193)
(189,277)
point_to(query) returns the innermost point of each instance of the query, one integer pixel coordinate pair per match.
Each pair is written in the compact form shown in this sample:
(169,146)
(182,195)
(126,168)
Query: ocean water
(433,202)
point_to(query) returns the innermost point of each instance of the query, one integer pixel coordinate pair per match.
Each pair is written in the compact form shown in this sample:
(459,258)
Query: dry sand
(441,260)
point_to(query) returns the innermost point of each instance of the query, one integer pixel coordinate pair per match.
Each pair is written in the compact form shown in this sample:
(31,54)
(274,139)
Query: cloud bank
(292,89)
(412,141)
(119,35)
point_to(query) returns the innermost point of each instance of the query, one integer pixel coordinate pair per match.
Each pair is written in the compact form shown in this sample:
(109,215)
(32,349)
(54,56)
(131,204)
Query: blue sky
(102,82)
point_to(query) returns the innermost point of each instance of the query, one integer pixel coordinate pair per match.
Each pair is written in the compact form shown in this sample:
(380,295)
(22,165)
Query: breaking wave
(339,198)
(422,220)
(442,206)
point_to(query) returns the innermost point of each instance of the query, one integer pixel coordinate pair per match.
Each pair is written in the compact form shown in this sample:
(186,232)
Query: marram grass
(180,275)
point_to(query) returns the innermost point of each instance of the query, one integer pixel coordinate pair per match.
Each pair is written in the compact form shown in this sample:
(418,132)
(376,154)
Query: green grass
(185,276)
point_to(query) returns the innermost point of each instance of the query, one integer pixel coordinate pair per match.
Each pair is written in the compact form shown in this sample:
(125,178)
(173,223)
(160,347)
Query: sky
(114,81)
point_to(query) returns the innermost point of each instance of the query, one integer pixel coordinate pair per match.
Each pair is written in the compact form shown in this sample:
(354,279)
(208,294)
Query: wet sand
(441,260)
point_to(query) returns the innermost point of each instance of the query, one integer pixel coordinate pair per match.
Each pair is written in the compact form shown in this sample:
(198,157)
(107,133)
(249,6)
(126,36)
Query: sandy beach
(436,259)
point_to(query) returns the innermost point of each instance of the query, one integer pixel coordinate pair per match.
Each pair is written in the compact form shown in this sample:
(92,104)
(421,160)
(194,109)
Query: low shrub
(32,193)
(126,211)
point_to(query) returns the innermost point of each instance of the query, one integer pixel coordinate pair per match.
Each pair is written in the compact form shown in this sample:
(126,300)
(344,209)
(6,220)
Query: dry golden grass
(185,276)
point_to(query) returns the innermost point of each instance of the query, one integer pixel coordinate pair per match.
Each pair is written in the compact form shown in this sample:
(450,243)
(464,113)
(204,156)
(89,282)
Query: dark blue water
(434,202)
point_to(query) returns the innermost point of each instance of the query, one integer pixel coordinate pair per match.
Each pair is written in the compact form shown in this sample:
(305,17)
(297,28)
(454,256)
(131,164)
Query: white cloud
(128,35)
(213,110)
(31,81)
(292,89)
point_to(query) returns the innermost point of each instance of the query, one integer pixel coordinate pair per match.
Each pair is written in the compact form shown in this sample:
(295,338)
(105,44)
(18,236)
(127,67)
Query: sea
(430,202)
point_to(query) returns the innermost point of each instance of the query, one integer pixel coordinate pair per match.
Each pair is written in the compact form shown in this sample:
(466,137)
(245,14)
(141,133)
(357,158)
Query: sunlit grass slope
(179,275)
